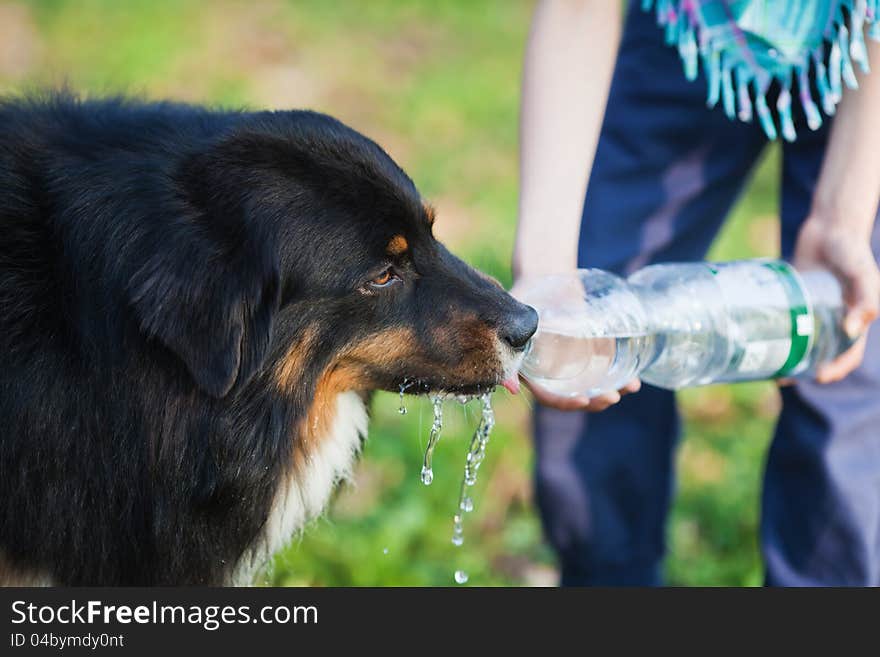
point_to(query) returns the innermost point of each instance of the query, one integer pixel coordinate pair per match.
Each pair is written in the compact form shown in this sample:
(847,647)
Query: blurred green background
(436,83)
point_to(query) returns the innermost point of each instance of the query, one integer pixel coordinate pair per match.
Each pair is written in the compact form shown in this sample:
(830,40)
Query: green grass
(436,83)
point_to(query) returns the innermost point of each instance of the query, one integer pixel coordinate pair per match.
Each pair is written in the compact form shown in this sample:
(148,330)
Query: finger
(843,364)
(602,402)
(785,382)
(578,403)
(857,320)
(570,403)
(559,402)
(863,304)
(633,386)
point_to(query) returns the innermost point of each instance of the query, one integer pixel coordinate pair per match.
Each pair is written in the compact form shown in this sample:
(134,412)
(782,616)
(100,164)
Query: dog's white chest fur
(304,495)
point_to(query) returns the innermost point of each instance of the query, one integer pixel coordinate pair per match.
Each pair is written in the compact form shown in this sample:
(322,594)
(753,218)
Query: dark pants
(666,173)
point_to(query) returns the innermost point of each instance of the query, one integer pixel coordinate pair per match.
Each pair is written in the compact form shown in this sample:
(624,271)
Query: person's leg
(820,520)
(666,172)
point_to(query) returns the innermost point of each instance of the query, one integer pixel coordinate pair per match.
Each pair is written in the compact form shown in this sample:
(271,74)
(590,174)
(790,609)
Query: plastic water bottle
(677,325)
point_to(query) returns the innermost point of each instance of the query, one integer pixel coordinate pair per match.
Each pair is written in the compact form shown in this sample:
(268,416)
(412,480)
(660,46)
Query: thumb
(863,303)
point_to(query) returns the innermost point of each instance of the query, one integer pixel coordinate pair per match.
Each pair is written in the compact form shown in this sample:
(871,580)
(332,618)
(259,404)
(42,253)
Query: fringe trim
(731,82)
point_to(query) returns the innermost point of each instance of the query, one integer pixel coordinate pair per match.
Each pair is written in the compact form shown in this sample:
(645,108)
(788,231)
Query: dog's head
(308,255)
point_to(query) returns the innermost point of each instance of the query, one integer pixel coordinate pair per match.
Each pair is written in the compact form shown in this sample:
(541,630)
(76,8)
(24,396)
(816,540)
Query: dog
(195,307)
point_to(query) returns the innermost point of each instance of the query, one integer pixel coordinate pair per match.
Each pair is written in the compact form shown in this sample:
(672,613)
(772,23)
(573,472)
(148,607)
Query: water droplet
(467,504)
(403,386)
(457,530)
(385,551)
(436,427)
(461,577)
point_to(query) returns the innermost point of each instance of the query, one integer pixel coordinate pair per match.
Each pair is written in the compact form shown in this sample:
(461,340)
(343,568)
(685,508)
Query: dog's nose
(519,326)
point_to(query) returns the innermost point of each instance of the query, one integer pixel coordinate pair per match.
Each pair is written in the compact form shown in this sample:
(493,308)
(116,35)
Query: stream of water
(427,474)
(474,458)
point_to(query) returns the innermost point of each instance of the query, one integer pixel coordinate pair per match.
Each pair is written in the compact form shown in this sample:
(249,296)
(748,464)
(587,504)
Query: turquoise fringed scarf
(747,44)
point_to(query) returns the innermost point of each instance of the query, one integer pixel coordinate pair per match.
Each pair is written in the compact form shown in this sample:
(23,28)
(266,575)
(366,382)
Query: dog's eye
(384,279)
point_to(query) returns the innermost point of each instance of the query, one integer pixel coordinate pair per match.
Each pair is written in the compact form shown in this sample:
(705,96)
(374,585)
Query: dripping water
(475,455)
(427,474)
(403,387)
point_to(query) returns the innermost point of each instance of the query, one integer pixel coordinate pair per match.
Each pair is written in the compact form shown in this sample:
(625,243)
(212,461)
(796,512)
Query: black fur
(157,261)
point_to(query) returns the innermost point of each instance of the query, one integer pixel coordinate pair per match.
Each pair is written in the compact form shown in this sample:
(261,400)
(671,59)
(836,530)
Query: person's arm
(837,233)
(567,72)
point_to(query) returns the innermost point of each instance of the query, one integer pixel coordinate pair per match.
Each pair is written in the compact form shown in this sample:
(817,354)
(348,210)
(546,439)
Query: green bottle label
(801,317)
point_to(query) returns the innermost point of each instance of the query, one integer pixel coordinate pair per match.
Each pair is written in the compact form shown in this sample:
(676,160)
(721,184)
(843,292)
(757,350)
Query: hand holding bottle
(825,245)
(582,402)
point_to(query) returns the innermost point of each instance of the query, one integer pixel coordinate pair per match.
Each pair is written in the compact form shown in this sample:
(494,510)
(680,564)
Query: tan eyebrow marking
(430,213)
(397,246)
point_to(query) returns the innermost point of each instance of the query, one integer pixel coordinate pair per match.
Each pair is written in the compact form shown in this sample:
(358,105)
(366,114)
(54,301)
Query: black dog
(194,307)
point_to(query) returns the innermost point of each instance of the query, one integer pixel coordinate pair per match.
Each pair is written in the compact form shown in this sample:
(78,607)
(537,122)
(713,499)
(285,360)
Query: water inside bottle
(739,321)
(572,365)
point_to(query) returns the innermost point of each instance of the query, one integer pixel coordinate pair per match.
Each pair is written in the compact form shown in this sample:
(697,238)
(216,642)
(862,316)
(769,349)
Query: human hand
(566,402)
(847,254)
(581,402)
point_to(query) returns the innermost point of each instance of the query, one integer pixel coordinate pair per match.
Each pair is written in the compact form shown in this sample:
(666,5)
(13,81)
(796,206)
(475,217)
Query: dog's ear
(214,313)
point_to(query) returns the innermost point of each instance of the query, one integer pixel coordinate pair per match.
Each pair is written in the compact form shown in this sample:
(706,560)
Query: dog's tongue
(512,384)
